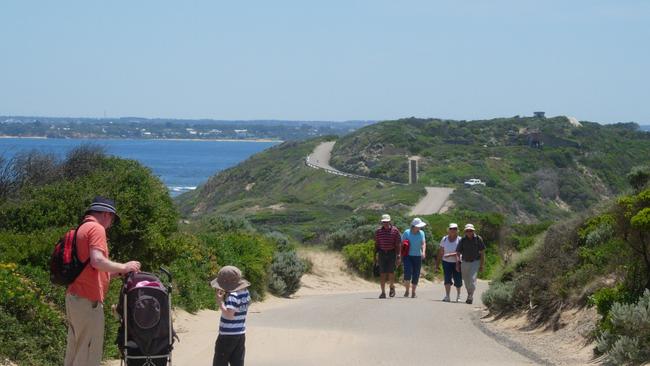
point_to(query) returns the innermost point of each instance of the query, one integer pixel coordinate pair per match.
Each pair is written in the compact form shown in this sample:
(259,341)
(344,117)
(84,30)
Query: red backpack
(65,265)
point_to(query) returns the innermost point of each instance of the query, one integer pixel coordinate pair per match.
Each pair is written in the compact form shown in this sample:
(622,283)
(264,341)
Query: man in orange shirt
(84,299)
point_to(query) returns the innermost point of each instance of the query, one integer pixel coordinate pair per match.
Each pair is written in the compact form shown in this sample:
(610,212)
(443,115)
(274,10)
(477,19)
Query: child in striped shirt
(233,299)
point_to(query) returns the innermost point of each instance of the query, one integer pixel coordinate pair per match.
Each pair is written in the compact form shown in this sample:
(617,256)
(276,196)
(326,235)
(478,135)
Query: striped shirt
(386,240)
(237,301)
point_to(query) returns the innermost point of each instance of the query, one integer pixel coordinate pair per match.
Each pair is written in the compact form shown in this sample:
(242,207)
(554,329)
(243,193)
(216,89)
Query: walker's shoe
(391,292)
(383,295)
(413,295)
(469,301)
(445,299)
(406,293)
(458,299)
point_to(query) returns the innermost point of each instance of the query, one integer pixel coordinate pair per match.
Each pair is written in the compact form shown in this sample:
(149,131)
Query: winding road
(432,202)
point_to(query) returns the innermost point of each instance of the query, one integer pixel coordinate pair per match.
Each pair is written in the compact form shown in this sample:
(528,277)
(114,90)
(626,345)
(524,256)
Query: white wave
(181,188)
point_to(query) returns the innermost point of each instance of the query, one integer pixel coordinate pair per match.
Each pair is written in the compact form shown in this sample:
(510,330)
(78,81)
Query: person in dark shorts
(387,254)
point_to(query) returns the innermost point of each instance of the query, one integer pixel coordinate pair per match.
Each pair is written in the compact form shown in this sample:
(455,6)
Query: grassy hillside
(535,168)
(276,190)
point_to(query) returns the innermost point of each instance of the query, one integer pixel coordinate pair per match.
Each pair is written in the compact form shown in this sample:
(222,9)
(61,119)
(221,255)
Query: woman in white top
(449,257)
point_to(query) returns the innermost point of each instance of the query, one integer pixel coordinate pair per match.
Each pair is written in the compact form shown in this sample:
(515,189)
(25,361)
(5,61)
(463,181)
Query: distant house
(539,114)
(241,133)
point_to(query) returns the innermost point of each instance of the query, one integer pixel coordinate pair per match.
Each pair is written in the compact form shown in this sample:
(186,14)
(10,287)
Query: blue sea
(181,165)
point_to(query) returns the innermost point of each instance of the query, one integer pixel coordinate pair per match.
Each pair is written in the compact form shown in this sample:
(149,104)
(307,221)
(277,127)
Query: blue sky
(326,60)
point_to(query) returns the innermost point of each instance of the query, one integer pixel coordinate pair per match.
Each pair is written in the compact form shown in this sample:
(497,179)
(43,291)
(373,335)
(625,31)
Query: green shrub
(605,298)
(360,257)
(250,252)
(286,271)
(628,341)
(29,321)
(223,223)
(282,242)
(499,297)
(343,237)
(639,177)
(193,270)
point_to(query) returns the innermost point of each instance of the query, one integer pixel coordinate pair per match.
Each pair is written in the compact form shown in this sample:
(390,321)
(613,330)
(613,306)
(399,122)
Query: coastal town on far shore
(143,128)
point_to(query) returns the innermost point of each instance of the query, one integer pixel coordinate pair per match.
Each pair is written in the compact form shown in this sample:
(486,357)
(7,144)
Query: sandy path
(337,319)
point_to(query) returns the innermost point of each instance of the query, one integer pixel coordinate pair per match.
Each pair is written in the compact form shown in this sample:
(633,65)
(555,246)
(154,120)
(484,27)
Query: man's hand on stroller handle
(132,266)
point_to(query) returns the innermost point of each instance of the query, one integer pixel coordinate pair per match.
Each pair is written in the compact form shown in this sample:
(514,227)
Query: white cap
(418,223)
(469,227)
(385,218)
(453,226)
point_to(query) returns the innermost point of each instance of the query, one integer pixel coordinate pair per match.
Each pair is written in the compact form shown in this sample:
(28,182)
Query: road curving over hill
(321,156)
(433,202)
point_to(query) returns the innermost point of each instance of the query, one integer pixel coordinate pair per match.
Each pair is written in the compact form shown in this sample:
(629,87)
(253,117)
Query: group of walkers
(462,257)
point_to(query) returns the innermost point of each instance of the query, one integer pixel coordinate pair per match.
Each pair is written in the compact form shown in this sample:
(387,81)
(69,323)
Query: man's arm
(376,256)
(99,261)
(459,252)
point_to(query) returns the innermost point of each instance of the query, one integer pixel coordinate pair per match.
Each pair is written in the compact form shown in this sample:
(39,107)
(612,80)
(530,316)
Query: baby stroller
(145,336)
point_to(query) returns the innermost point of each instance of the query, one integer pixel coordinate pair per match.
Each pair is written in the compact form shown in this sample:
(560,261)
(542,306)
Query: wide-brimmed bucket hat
(385,218)
(417,222)
(102,204)
(469,227)
(229,279)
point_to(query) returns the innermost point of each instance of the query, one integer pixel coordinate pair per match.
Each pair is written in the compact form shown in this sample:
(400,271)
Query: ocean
(182,165)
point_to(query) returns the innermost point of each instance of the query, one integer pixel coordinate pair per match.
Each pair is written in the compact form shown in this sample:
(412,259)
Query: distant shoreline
(117,138)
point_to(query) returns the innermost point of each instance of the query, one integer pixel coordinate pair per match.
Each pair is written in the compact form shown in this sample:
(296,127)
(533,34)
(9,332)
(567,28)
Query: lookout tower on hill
(539,114)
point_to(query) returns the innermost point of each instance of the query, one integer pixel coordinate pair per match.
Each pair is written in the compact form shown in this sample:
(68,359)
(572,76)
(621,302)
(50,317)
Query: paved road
(359,329)
(322,154)
(354,329)
(432,202)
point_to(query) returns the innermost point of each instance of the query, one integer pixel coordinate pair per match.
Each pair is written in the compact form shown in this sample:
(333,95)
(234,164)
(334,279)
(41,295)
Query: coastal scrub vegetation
(600,260)
(42,197)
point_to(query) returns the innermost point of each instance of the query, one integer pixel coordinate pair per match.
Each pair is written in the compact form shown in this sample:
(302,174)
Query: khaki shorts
(85,331)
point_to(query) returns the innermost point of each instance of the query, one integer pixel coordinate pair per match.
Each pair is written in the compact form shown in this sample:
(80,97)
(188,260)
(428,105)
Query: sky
(326,60)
